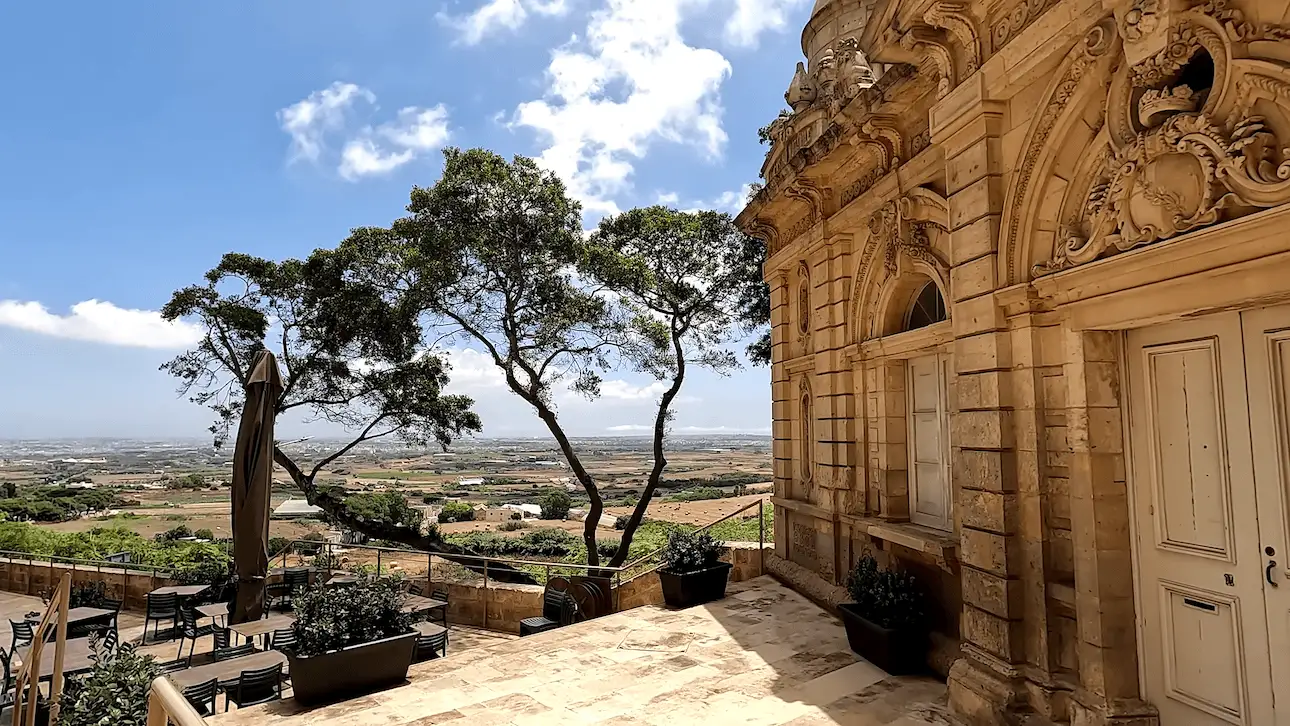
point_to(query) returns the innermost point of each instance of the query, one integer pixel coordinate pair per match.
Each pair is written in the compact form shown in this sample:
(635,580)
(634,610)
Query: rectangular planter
(352,671)
(681,590)
(898,652)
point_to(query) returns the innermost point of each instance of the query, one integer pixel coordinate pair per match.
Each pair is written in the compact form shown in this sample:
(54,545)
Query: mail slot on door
(1208,607)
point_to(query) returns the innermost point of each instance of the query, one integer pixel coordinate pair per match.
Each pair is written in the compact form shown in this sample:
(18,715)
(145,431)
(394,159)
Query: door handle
(1272,565)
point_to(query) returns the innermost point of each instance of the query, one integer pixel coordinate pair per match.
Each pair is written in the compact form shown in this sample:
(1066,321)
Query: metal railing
(26,684)
(306,553)
(166,705)
(85,565)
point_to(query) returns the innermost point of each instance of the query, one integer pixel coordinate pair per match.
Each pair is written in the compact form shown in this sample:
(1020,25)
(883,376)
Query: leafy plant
(511,525)
(115,692)
(555,504)
(329,619)
(326,562)
(887,597)
(517,516)
(456,512)
(174,533)
(87,594)
(690,552)
(205,534)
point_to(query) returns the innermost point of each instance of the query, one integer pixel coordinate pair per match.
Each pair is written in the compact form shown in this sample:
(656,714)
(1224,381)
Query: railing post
(761,536)
(485,594)
(378,563)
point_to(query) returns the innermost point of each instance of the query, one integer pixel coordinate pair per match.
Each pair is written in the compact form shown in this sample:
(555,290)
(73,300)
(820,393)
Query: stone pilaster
(1107,648)
(782,402)
(985,685)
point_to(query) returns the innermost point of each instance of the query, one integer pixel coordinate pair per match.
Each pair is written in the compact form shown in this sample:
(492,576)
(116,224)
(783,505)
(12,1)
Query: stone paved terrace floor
(764,655)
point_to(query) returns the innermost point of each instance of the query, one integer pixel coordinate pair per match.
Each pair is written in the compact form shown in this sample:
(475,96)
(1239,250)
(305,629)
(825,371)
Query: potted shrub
(115,691)
(350,640)
(885,623)
(692,572)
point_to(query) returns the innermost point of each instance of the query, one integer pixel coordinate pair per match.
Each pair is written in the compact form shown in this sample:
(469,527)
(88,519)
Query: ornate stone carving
(804,541)
(902,229)
(1141,19)
(954,18)
(802,90)
(921,141)
(1015,19)
(1175,178)
(812,193)
(1156,104)
(862,185)
(1096,44)
(935,58)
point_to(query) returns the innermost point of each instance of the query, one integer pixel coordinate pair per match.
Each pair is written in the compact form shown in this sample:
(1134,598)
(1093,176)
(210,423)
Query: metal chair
(202,697)
(172,666)
(23,634)
(6,692)
(415,589)
(430,646)
(282,638)
(189,630)
(160,608)
(221,637)
(441,594)
(293,579)
(111,639)
(557,610)
(236,651)
(255,687)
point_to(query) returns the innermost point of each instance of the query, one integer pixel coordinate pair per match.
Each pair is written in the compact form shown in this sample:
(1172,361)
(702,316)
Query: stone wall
(647,590)
(36,577)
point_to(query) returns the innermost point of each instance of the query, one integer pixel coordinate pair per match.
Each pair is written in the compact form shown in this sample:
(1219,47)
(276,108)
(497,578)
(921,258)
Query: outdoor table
(75,616)
(343,580)
(419,604)
(183,591)
(217,610)
(263,626)
(429,628)
(76,658)
(226,671)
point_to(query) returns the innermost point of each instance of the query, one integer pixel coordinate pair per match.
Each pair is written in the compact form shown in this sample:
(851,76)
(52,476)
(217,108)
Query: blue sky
(140,141)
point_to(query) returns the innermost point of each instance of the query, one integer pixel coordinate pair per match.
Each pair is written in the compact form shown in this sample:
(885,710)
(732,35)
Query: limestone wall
(647,590)
(36,577)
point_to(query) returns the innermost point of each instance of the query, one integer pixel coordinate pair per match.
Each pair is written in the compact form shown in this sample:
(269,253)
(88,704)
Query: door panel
(1267,353)
(928,450)
(1205,650)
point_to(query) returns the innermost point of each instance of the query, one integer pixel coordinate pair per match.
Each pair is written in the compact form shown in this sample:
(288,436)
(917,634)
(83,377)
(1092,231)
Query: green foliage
(192,562)
(555,504)
(205,534)
(278,545)
(546,542)
(512,525)
(517,516)
(54,503)
(87,594)
(456,512)
(431,498)
(388,508)
(328,619)
(195,563)
(698,495)
(325,561)
(889,598)
(690,552)
(114,693)
(174,533)
(747,529)
(621,522)
(187,481)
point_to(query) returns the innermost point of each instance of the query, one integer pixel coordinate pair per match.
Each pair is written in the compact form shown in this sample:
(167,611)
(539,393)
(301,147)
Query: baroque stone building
(1030,264)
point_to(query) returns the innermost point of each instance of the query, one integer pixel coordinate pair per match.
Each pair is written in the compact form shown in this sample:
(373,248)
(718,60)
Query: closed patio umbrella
(252,480)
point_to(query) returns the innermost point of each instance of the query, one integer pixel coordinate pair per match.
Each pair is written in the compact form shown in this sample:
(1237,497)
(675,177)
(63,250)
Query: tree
(681,278)
(351,353)
(754,303)
(456,512)
(555,504)
(494,247)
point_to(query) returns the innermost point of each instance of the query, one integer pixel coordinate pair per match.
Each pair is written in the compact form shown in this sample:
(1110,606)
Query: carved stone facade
(1029,267)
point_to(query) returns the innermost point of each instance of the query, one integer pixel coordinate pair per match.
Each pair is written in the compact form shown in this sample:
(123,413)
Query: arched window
(928,308)
(806,455)
(803,308)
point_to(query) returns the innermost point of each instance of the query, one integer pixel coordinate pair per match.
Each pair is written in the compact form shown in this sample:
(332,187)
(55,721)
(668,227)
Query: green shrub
(517,516)
(456,512)
(87,594)
(690,552)
(555,504)
(697,495)
(174,533)
(115,692)
(328,619)
(621,523)
(431,498)
(888,598)
(511,525)
(278,545)
(205,534)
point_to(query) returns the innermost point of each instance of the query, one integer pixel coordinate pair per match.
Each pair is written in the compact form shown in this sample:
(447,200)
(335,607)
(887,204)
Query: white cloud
(472,371)
(630,428)
(100,322)
(721,430)
(309,120)
(495,15)
(623,391)
(630,82)
(751,18)
(729,201)
(369,151)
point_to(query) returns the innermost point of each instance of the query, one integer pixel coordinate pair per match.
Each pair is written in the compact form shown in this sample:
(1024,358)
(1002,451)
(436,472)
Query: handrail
(167,705)
(760,504)
(25,680)
(100,564)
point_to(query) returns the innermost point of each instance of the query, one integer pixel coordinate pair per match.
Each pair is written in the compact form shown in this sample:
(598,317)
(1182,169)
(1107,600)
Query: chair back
(164,605)
(236,651)
(111,639)
(553,604)
(259,685)
(221,636)
(173,666)
(282,638)
(431,646)
(110,604)
(568,611)
(202,696)
(4,686)
(23,632)
(296,577)
(415,589)
(188,619)
(440,594)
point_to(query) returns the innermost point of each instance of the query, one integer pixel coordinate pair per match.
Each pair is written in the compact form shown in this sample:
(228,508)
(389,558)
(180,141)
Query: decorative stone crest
(1141,19)
(903,231)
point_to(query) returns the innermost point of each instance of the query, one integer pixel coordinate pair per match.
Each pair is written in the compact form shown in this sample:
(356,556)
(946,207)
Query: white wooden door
(928,442)
(1205,637)
(1267,360)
